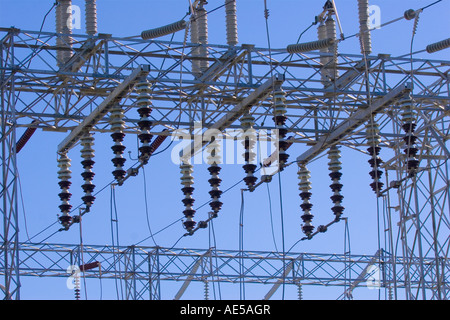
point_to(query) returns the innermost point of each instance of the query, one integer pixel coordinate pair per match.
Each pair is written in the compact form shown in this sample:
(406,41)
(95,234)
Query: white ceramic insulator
(330,25)
(202,27)
(195,50)
(64,28)
(365,37)
(334,155)
(143,89)
(231,22)
(87,142)
(64,172)
(372,133)
(186,170)
(279,102)
(91,17)
(214,150)
(324,60)
(304,175)
(116,122)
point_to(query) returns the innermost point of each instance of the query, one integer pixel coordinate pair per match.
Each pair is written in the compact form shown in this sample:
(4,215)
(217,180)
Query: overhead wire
(115,239)
(282,232)
(241,249)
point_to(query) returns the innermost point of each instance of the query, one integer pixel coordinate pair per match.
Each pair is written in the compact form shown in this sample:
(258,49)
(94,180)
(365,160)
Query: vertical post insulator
(202,26)
(194,40)
(364,33)
(87,153)
(231,22)
(64,175)
(91,17)
(117,126)
(330,25)
(63,29)
(187,180)
(335,165)
(305,186)
(324,59)
(249,142)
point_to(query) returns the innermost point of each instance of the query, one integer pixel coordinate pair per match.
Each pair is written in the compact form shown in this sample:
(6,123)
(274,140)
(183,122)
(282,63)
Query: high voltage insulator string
(304,186)
(214,159)
(117,126)
(187,181)
(144,123)
(64,175)
(87,153)
(335,165)
(279,112)
(249,142)
(409,118)
(374,140)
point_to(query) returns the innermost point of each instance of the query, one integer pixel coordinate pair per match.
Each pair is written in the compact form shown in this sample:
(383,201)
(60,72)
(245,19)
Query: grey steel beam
(259,94)
(116,95)
(348,126)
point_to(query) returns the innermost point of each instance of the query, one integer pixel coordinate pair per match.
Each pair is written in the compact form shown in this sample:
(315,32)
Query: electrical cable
(241,249)
(82,259)
(282,232)
(146,207)
(114,218)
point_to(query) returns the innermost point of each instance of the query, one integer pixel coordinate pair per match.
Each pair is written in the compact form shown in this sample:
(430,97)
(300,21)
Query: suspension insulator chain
(64,175)
(374,140)
(335,165)
(117,126)
(249,141)
(409,118)
(214,159)
(187,180)
(305,186)
(87,153)
(144,123)
(280,122)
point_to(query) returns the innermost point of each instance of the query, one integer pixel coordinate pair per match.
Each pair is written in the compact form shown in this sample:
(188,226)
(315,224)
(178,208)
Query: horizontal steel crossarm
(116,95)
(354,121)
(253,98)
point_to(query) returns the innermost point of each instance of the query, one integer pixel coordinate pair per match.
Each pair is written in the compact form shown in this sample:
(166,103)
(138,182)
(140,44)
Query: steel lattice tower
(396,108)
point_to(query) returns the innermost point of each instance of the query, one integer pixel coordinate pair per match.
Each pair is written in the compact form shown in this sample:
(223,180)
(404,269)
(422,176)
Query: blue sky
(37,161)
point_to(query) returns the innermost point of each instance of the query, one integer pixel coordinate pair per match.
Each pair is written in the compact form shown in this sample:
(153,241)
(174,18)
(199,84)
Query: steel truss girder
(61,99)
(143,268)
(9,228)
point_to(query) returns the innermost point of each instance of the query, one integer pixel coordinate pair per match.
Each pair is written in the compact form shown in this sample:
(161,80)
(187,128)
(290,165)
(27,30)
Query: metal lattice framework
(103,71)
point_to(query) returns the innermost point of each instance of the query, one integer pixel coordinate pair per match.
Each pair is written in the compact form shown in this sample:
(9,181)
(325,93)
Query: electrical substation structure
(320,101)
